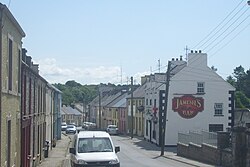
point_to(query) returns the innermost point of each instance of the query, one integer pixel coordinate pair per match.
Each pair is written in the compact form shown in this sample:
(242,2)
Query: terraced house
(10,69)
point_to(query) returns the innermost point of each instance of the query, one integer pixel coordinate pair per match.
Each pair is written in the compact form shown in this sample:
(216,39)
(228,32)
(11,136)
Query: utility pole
(89,113)
(83,115)
(165,109)
(132,112)
(100,121)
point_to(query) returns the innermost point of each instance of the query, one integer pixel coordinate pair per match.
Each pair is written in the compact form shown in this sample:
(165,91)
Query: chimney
(180,57)
(24,54)
(199,51)
(192,51)
(196,51)
(172,59)
(28,60)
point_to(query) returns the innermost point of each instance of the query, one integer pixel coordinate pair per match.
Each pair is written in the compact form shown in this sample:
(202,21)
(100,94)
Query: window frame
(200,87)
(218,109)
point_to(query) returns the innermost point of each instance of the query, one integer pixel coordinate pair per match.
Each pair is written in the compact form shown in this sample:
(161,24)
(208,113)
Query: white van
(93,148)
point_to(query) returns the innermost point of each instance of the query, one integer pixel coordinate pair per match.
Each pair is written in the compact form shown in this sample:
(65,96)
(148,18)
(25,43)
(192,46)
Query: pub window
(215,127)
(146,101)
(150,102)
(218,109)
(200,87)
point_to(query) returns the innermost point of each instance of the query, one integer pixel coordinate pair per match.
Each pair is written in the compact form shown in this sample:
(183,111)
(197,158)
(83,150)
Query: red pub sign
(188,106)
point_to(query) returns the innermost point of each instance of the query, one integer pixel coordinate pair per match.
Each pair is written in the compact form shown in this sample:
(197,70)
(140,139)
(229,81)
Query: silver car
(112,129)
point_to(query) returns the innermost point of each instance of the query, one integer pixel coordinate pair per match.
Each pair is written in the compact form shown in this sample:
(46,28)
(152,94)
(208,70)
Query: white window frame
(200,87)
(218,109)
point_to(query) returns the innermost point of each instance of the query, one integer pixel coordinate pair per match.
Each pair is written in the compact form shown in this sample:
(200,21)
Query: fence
(198,137)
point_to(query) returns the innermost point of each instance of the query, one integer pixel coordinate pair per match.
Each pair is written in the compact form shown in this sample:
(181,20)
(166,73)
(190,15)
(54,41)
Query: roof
(139,92)
(69,110)
(120,101)
(90,134)
(3,8)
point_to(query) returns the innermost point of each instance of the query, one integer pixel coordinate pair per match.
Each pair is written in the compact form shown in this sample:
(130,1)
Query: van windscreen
(86,145)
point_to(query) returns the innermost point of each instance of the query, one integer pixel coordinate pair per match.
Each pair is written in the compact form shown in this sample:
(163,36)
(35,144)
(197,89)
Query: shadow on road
(143,144)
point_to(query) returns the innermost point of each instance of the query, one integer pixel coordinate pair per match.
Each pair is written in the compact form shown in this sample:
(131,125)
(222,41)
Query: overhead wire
(229,33)
(229,41)
(217,26)
(228,29)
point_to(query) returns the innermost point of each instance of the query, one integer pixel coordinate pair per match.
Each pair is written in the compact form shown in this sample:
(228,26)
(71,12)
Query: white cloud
(53,73)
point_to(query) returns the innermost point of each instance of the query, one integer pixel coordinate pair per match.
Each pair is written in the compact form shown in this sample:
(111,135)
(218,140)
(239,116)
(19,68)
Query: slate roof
(69,111)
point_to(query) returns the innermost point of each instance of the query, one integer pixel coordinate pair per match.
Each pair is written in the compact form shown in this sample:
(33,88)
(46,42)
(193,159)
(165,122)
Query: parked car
(63,126)
(89,126)
(70,129)
(112,129)
(93,148)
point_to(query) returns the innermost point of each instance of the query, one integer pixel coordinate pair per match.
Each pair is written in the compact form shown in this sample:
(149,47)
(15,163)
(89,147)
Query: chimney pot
(196,51)
(199,51)
(172,59)
(192,51)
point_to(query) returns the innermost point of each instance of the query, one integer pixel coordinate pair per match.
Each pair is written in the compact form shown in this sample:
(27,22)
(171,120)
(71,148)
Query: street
(139,153)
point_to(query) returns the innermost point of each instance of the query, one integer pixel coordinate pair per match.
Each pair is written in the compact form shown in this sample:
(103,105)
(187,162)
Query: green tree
(73,92)
(239,74)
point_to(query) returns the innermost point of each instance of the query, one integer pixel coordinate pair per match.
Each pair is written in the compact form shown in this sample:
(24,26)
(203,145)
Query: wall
(205,153)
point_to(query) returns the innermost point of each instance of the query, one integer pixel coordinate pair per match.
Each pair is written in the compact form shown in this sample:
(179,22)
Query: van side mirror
(72,150)
(117,149)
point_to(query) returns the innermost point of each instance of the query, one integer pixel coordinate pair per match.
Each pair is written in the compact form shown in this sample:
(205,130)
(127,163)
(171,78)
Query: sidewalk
(58,154)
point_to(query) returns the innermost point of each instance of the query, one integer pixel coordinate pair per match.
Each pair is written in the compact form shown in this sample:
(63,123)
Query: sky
(109,41)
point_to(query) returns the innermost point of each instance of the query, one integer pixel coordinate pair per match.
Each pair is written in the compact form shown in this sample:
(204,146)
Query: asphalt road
(140,153)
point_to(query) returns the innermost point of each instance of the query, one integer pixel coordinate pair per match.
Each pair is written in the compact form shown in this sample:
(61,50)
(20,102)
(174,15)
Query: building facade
(198,99)
(33,113)
(11,35)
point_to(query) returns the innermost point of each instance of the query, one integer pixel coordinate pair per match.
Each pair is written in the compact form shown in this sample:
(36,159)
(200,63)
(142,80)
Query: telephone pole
(165,109)
(100,117)
(132,112)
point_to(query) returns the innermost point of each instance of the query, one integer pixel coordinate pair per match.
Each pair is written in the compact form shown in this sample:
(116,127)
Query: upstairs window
(218,109)
(10,59)
(200,87)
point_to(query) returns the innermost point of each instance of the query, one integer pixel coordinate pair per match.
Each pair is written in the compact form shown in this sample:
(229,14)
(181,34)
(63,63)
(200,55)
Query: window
(10,64)
(215,127)
(218,109)
(19,71)
(8,142)
(200,87)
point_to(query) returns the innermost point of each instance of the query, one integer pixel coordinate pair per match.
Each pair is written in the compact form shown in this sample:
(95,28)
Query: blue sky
(93,41)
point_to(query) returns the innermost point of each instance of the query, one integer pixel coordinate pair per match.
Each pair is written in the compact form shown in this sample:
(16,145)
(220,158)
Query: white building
(198,99)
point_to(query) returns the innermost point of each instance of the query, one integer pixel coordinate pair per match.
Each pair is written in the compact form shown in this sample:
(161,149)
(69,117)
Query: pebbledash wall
(198,99)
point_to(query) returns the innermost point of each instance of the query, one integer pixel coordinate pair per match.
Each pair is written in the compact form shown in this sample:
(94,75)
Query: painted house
(33,113)
(138,111)
(198,99)
(71,115)
(11,35)
(122,114)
